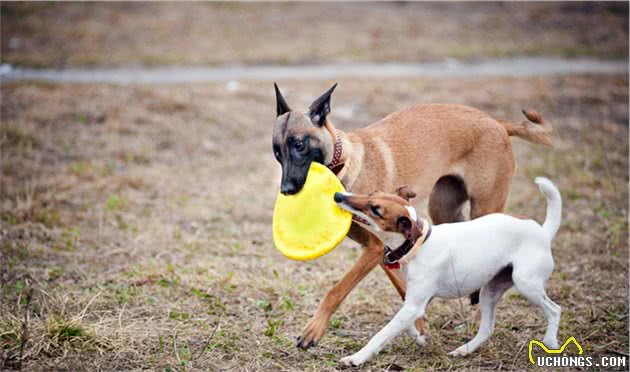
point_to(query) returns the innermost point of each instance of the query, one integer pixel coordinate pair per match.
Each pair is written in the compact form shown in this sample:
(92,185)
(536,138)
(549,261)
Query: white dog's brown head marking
(389,216)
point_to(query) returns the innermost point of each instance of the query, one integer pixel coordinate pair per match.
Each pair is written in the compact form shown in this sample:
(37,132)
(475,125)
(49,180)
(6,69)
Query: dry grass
(136,228)
(81,34)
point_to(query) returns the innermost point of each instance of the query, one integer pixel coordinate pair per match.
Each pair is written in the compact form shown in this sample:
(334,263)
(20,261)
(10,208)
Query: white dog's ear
(405,192)
(408,228)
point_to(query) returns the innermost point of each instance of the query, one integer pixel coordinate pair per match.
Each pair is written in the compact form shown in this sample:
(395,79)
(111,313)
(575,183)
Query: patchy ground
(136,228)
(87,34)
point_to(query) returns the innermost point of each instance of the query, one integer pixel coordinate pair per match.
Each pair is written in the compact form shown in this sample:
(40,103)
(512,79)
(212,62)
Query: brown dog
(448,153)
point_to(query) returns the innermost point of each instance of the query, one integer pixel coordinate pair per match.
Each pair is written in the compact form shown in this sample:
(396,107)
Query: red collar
(334,165)
(391,257)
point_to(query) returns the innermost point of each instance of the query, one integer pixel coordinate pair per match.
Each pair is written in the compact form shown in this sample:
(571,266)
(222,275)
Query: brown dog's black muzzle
(293,179)
(288,188)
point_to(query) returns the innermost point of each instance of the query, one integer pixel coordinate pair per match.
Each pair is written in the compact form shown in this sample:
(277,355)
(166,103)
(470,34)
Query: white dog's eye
(376,210)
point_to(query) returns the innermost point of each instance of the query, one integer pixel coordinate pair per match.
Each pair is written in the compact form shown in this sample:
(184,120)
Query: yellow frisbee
(309,224)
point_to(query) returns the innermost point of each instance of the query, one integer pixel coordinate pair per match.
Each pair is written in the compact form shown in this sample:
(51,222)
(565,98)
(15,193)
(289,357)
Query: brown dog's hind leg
(494,202)
(447,200)
(479,208)
(372,255)
(445,206)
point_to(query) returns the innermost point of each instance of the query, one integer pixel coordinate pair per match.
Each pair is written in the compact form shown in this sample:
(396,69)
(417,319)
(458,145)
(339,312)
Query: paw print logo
(569,340)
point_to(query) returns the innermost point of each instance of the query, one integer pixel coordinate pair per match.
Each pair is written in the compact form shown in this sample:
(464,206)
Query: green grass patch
(115,202)
(336,323)
(9,334)
(69,239)
(81,118)
(176,315)
(14,137)
(63,331)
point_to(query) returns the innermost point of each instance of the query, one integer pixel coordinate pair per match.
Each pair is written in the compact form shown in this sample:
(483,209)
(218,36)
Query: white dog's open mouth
(355,214)
(358,219)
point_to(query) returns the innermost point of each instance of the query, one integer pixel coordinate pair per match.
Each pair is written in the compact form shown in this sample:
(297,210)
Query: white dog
(494,253)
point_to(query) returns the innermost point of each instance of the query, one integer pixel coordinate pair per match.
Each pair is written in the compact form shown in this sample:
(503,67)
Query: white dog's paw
(421,340)
(551,343)
(352,360)
(459,352)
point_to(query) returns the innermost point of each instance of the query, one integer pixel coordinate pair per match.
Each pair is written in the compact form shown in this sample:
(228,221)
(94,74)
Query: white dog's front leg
(404,319)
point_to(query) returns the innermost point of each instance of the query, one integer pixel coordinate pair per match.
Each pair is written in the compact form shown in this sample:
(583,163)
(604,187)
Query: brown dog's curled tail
(535,130)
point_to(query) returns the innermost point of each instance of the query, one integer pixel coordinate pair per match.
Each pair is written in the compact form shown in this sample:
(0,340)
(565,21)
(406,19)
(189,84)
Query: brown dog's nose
(288,189)
(339,197)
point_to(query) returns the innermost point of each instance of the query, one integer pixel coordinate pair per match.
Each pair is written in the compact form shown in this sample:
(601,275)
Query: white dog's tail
(554,206)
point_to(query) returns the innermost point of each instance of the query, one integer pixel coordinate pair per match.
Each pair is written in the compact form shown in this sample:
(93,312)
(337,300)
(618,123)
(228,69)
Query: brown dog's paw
(313,332)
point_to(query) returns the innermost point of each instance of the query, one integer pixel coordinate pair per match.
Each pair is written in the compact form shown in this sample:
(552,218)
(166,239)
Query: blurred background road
(123,34)
(136,216)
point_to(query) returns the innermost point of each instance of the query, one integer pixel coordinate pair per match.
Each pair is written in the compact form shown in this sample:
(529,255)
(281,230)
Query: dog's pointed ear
(281,105)
(405,192)
(408,228)
(320,108)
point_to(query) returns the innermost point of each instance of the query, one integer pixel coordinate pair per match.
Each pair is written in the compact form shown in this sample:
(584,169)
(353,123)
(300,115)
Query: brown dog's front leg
(372,255)
(396,277)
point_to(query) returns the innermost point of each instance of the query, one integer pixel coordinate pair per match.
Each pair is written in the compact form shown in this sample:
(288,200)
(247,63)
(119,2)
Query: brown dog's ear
(320,108)
(281,105)
(408,228)
(405,192)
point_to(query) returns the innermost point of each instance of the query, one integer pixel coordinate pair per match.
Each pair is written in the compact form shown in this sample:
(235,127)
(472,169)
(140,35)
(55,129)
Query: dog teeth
(359,220)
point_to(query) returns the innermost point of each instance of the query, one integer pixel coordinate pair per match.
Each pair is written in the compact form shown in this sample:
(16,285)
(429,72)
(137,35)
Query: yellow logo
(553,351)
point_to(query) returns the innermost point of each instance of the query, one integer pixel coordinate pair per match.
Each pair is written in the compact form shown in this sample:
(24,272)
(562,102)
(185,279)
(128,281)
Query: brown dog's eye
(376,210)
(299,145)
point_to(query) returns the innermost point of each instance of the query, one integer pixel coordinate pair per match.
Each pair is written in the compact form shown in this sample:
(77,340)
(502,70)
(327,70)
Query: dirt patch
(87,34)
(136,227)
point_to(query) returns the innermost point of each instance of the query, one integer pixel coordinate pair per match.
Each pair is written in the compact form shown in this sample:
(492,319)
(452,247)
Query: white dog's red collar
(403,254)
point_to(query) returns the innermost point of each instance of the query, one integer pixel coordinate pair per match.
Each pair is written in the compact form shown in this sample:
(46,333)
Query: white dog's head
(388,216)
